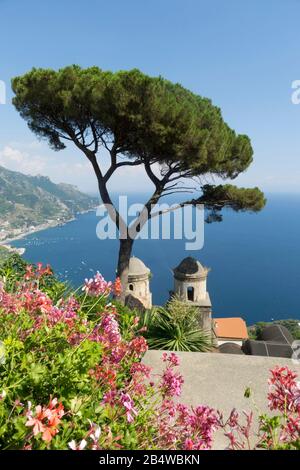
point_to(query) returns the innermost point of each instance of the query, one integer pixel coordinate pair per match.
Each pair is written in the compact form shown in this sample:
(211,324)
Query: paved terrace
(219,380)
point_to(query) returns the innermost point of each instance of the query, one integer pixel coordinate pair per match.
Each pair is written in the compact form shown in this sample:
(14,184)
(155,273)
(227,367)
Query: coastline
(40,228)
(12,249)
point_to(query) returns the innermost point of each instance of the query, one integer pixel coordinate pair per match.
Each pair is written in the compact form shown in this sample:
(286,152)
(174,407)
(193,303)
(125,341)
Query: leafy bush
(4,254)
(71,376)
(175,328)
(13,268)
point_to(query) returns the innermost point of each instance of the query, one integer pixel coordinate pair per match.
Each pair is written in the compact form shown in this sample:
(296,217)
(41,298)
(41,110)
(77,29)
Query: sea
(254,259)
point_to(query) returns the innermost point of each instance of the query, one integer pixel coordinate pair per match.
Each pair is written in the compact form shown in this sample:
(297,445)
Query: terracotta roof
(230,328)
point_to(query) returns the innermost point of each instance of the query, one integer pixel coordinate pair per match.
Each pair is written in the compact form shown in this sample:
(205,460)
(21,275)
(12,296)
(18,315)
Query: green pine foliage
(139,120)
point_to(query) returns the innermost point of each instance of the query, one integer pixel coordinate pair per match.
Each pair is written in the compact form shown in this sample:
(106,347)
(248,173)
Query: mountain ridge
(27,202)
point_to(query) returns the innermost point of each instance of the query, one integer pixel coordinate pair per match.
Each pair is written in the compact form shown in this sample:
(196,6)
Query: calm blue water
(254,259)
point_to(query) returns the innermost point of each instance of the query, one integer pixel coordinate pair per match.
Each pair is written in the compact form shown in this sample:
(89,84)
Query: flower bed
(72,377)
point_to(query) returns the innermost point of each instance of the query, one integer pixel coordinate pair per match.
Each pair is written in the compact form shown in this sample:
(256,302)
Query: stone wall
(220,380)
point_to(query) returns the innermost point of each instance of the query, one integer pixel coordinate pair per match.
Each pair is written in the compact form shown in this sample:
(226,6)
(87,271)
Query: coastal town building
(232,330)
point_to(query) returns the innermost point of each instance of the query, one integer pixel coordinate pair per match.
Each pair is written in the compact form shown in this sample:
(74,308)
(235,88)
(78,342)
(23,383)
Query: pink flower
(233,443)
(128,404)
(97,286)
(188,444)
(105,374)
(80,446)
(284,391)
(37,421)
(107,331)
(204,421)
(140,369)
(75,338)
(172,358)
(110,398)
(37,272)
(183,414)
(169,407)
(29,274)
(111,329)
(171,383)
(95,432)
(34,301)
(138,346)
(233,420)
(118,353)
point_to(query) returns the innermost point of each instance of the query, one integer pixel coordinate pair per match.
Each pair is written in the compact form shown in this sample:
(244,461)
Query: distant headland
(29,204)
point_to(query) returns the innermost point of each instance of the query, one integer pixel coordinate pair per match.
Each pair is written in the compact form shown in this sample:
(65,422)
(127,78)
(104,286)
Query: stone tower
(190,286)
(138,282)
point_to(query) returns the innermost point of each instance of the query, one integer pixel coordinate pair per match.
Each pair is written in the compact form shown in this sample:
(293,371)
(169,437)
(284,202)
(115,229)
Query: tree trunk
(123,263)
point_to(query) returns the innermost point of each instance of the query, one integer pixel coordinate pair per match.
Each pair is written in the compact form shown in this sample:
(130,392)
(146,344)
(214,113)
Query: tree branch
(115,166)
(113,212)
(156,181)
(95,139)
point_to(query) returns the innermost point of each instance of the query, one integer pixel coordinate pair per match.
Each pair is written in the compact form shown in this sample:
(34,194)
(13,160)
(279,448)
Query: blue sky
(244,55)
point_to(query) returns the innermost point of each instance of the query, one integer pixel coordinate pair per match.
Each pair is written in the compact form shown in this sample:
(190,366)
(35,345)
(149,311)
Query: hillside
(27,202)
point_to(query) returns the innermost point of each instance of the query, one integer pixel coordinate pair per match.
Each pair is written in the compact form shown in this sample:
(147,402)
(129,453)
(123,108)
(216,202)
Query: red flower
(284,394)
(117,287)
(45,420)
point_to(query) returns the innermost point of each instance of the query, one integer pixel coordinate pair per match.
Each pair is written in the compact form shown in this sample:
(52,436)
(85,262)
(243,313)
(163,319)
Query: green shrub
(72,375)
(176,328)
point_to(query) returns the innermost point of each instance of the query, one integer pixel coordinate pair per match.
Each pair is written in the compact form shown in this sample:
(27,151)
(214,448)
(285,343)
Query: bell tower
(190,286)
(138,282)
